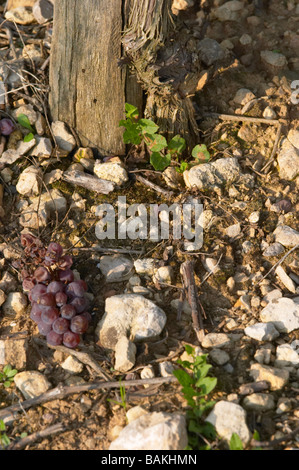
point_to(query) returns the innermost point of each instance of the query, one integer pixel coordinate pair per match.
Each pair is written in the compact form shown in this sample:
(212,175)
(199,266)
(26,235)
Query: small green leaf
(147,126)
(28,137)
(155,142)
(235,442)
(189,349)
(183,167)
(256,435)
(202,371)
(177,144)
(5,440)
(7,383)
(207,384)
(12,373)
(201,153)
(131,111)
(159,161)
(206,429)
(2,425)
(24,121)
(7,369)
(183,377)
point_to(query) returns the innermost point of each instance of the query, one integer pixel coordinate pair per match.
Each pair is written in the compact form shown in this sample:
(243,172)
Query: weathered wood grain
(87,86)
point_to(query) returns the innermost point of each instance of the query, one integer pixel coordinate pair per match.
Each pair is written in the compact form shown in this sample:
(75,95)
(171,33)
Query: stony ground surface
(247,270)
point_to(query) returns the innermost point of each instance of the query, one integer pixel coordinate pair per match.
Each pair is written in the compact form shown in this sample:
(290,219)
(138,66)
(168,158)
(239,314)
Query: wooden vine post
(105,53)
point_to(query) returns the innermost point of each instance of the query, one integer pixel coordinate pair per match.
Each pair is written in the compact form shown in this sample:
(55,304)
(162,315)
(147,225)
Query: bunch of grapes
(59,303)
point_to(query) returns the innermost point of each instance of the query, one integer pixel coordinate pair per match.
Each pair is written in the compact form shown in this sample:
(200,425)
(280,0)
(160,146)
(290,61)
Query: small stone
(243,96)
(31,383)
(166,368)
(231,283)
(52,176)
(213,175)
(253,387)
(40,124)
(153,431)
(111,172)
(30,181)
(277,378)
(263,355)
(172,178)
(246,133)
(125,354)
(227,44)
(286,356)
(286,235)
(209,51)
(9,156)
(288,162)
(115,268)
(262,331)
(210,265)
(24,147)
(244,302)
(134,281)
(72,365)
(230,11)
(145,266)
(231,324)
(6,175)
(259,402)
(74,380)
(43,148)
(147,372)
(284,405)
(84,156)
(15,304)
(42,11)
(285,279)
(233,230)
(129,315)
(229,418)
(272,295)
(38,213)
(8,283)
(283,313)
(142,291)
(163,275)
(255,301)
(178,5)
(13,351)
(214,340)
(20,15)
(115,432)
(269,113)
(11,4)
(2,297)
(245,39)
(275,249)
(63,137)
(219,357)
(254,217)
(275,59)
(134,413)
(293,137)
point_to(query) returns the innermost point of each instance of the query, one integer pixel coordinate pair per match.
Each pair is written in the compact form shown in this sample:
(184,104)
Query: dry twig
(10,413)
(190,286)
